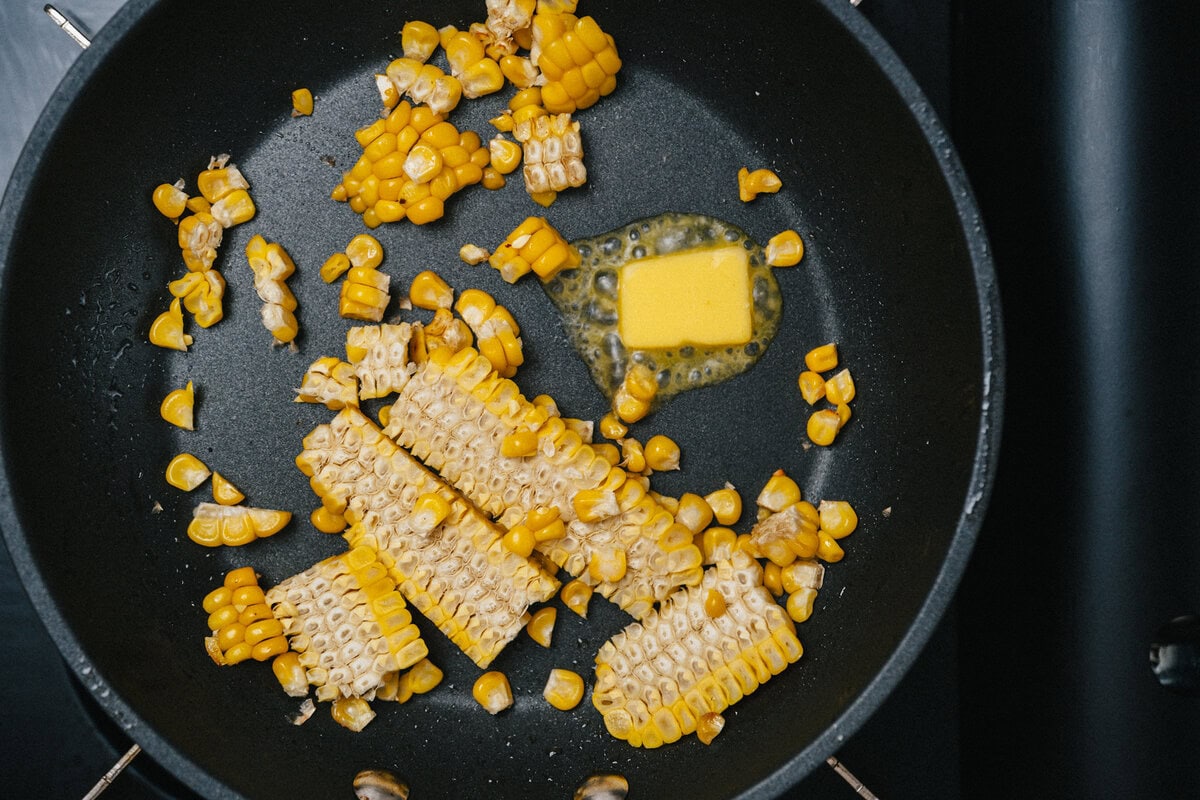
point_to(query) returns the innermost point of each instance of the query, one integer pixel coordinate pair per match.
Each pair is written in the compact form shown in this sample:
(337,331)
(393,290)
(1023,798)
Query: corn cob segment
(379,354)
(330,381)
(271,266)
(455,414)
(348,623)
(553,153)
(578,61)
(656,679)
(458,573)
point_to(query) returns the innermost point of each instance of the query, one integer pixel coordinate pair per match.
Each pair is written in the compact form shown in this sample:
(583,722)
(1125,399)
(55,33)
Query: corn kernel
(760,181)
(167,328)
(224,492)
(714,603)
(520,540)
(709,726)
(823,426)
(633,455)
(839,389)
(694,512)
(541,625)
(429,291)
(576,596)
(352,712)
(773,578)
(726,504)
(186,472)
(473,254)
(828,549)
(800,604)
(419,40)
(326,521)
(424,676)
(178,407)
(662,454)
(491,690)
(170,201)
(564,689)
(608,565)
(812,386)
(364,250)
(519,444)
(718,543)
(779,492)
(785,249)
(822,359)
(505,155)
(302,102)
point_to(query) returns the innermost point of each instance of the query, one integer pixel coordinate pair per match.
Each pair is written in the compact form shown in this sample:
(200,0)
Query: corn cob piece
(241,622)
(364,294)
(458,573)
(657,678)
(578,60)
(497,331)
(213,525)
(348,623)
(553,153)
(535,246)
(379,355)
(330,381)
(455,414)
(272,265)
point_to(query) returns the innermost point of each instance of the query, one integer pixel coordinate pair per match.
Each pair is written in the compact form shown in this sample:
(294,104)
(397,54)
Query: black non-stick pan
(896,272)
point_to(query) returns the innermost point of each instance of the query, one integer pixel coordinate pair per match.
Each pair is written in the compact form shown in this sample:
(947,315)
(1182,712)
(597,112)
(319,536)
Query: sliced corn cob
(497,332)
(458,574)
(349,624)
(213,525)
(379,355)
(272,266)
(634,397)
(656,679)
(241,622)
(535,246)
(455,414)
(553,153)
(578,60)
(330,381)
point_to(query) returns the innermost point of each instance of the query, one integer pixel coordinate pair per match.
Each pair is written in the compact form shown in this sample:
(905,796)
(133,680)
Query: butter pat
(696,297)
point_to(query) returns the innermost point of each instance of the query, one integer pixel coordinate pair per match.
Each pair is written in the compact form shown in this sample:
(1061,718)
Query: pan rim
(941,592)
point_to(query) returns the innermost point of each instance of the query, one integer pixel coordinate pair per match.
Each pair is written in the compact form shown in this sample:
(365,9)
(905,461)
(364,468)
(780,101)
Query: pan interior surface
(99,535)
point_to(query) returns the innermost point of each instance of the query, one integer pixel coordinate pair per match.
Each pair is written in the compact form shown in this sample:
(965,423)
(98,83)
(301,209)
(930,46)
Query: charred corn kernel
(773,578)
(804,573)
(216,183)
(611,427)
(576,595)
(326,521)
(520,540)
(541,625)
(838,518)
(694,512)
(839,389)
(800,604)
(718,544)
(171,201)
(564,689)
(225,492)
(726,504)
(608,452)
(178,407)
(302,102)
(714,603)
(760,181)
(822,359)
(186,472)
(419,40)
(812,386)
(167,328)
(290,674)
(505,155)
(785,249)
(429,291)
(607,566)
(823,427)
(709,726)
(364,250)
(662,454)
(429,511)
(473,254)
(779,492)
(518,444)
(352,712)
(491,690)
(633,455)
(747,645)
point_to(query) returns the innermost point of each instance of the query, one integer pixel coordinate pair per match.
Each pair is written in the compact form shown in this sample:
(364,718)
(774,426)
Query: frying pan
(897,272)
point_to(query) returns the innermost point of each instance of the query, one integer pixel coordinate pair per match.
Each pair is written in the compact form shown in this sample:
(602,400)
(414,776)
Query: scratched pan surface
(897,273)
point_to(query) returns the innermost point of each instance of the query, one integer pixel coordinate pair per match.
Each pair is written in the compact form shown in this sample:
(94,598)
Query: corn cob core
(379,354)
(459,575)
(348,623)
(454,414)
(657,678)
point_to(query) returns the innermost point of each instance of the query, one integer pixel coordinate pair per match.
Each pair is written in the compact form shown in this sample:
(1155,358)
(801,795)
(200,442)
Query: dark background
(1077,123)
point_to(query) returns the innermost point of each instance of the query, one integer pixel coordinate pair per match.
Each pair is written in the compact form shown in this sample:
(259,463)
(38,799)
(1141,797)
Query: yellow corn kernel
(482,78)
(543,199)
(526,97)
(823,426)
(262,630)
(822,359)
(709,726)
(662,454)
(800,603)
(419,40)
(186,472)
(222,617)
(429,291)
(843,413)
(505,155)
(520,540)
(520,443)
(492,179)
(633,455)
(608,452)
(760,181)
(785,249)
(519,71)
(714,603)
(231,634)
(178,407)
(779,492)
(801,574)
(726,504)
(576,595)
(611,427)
(217,598)
(364,250)
(269,648)
(828,549)
(225,492)
(564,689)
(334,267)
(429,511)
(541,516)
(352,712)
(491,690)
(326,521)
(246,596)
(167,328)
(473,254)
(541,625)
(170,201)
(426,211)
(812,386)
(238,653)
(242,576)
(592,505)
(839,389)
(809,513)
(718,543)
(424,676)
(254,613)
(290,674)
(217,182)
(773,578)
(694,512)
(838,518)
(554,530)
(607,565)
(302,102)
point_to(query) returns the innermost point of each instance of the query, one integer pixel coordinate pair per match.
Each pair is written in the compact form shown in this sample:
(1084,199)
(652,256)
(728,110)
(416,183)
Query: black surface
(931,768)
